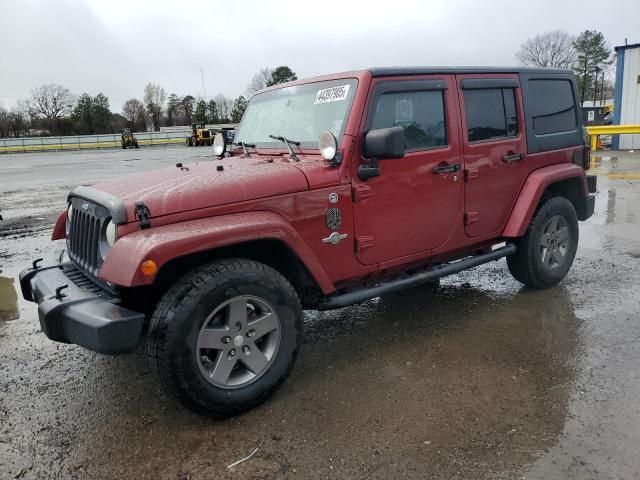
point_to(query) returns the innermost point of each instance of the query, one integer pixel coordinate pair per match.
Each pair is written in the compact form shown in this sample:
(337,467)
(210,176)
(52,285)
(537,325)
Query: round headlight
(219,144)
(70,212)
(110,233)
(328,145)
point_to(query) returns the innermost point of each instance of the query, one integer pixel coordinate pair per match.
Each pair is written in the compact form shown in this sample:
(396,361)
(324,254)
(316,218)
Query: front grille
(84,235)
(82,280)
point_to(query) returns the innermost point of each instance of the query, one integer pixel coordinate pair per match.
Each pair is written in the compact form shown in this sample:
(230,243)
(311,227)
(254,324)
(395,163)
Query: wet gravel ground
(481,379)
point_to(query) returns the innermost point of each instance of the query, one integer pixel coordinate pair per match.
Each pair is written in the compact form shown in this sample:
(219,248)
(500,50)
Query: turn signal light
(149,268)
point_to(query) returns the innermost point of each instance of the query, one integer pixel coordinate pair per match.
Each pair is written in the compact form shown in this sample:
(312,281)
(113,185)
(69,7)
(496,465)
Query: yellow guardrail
(595,132)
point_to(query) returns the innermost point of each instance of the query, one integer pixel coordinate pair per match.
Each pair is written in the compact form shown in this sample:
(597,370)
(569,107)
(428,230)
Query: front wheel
(546,252)
(225,337)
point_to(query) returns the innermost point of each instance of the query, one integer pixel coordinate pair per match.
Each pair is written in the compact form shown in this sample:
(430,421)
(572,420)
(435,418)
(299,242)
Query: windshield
(299,113)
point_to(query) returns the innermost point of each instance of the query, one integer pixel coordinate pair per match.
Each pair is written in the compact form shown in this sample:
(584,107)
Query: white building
(627,99)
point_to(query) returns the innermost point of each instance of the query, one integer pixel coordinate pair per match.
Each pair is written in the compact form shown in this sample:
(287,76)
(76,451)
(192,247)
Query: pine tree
(82,116)
(101,114)
(281,74)
(239,106)
(212,112)
(173,109)
(201,112)
(593,55)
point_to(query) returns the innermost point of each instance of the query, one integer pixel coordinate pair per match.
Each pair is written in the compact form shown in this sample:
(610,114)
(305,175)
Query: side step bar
(357,296)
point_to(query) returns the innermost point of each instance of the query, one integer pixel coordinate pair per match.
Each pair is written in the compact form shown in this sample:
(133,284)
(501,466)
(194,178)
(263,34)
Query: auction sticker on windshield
(333,94)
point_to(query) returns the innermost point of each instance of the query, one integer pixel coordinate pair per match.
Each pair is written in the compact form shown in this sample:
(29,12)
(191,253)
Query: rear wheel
(546,252)
(225,337)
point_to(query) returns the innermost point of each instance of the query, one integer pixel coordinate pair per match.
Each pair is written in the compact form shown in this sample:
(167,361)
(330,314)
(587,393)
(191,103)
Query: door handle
(448,168)
(513,157)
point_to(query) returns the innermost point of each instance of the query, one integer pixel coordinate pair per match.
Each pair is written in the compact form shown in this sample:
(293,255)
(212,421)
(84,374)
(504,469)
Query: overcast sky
(117,46)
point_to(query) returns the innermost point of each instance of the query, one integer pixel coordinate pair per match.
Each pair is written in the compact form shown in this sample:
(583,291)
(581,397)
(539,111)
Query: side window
(421,114)
(491,113)
(553,106)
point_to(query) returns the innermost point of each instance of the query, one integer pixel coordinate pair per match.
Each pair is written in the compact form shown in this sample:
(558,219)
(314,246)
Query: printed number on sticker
(333,94)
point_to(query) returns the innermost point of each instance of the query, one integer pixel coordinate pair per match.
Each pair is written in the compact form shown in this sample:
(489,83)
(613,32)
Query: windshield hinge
(143,214)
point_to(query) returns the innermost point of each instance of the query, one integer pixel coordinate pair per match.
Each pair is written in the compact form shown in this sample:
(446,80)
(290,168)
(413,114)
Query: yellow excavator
(128,139)
(199,136)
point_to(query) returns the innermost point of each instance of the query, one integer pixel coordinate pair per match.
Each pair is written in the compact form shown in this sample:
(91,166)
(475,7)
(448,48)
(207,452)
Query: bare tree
(133,110)
(51,102)
(224,105)
(259,80)
(154,98)
(4,122)
(21,118)
(552,49)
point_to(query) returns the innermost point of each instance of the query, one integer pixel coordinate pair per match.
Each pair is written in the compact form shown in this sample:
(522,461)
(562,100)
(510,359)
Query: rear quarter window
(553,107)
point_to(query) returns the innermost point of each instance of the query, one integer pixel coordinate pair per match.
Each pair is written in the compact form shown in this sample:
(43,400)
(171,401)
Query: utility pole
(595,86)
(204,93)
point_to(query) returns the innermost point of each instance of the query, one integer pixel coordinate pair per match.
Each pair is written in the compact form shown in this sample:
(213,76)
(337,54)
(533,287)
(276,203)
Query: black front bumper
(82,313)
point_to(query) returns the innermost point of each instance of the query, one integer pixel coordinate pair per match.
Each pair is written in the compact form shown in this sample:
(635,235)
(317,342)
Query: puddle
(8,300)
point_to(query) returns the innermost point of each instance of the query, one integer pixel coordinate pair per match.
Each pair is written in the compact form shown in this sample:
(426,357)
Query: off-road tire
(526,264)
(180,314)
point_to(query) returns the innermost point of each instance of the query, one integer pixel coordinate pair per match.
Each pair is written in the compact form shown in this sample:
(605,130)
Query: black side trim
(345,299)
(592,183)
(478,83)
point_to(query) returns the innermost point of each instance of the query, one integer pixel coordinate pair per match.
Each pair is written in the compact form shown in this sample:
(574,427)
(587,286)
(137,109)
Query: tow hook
(59,294)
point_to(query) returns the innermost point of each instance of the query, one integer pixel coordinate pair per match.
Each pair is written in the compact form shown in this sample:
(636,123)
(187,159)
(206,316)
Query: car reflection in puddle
(8,300)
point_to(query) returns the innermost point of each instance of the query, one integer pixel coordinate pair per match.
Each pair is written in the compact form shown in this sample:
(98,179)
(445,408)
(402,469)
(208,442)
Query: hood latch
(143,214)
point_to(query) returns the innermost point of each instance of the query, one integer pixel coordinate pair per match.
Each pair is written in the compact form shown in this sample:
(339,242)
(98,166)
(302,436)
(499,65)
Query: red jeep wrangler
(336,190)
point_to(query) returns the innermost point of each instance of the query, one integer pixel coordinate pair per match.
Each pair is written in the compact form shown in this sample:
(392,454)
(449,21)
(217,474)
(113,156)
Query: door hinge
(470,174)
(471,217)
(363,242)
(360,192)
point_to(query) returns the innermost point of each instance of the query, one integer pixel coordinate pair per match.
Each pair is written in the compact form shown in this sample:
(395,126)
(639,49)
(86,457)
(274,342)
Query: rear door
(494,149)
(414,203)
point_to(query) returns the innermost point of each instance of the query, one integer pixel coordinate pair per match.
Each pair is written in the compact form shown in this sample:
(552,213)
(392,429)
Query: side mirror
(381,144)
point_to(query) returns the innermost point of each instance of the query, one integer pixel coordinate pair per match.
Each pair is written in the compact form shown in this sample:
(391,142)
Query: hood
(206,184)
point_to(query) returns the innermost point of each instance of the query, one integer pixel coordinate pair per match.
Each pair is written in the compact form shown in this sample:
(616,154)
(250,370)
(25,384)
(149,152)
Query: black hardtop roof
(390,71)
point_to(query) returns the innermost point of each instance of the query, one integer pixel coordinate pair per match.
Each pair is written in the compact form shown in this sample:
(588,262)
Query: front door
(494,149)
(414,203)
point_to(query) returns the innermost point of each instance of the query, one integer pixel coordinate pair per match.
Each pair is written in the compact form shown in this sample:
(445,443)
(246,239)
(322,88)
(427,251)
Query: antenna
(204,93)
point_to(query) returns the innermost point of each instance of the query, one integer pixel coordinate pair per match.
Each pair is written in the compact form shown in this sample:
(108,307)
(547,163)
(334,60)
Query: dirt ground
(484,379)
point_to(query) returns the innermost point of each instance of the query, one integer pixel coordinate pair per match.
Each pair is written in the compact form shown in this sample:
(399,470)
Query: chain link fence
(176,135)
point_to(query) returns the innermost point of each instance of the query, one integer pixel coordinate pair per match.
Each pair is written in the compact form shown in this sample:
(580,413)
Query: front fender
(59,231)
(531,193)
(165,243)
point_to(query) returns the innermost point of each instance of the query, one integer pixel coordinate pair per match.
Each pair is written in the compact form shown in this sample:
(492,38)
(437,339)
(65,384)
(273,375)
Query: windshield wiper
(288,143)
(244,147)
